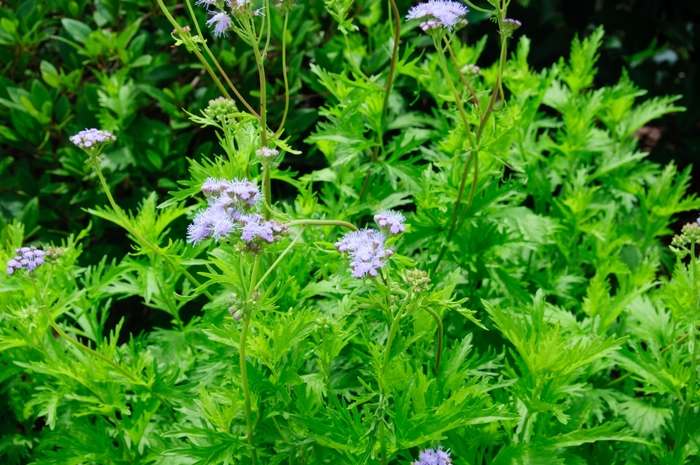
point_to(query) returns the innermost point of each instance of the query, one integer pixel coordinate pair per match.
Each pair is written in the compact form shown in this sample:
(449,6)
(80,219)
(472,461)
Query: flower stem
(244,371)
(216,63)
(342,224)
(192,46)
(127,225)
(284,77)
(387,92)
(279,259)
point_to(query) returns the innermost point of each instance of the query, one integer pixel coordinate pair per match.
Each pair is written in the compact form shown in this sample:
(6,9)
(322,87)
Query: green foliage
(531,313)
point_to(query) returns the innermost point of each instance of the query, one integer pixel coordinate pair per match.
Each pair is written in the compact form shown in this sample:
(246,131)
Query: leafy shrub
(522,307)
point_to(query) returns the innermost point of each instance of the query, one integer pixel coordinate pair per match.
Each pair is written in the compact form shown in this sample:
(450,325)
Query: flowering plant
(508,303)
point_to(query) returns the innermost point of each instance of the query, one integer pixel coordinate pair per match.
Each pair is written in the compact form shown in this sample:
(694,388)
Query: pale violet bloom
(214,223)
(206,3)
(434,457)
(242,194)
(438,14)
(27,258)
(390,222)
(366,251)
(221,22)
(267,152)
(92,139)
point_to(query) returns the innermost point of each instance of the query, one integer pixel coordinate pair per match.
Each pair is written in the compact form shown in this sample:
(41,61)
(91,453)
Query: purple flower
(237,194)
(213,223)
(92,139)
(434,457)
(256,230)
(206,3)
(438,14)
(390,222)
(366,251)
(27,258)
(221,21)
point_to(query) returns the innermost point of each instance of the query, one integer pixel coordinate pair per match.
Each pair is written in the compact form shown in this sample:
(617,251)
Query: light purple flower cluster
(434,457)
(366,250)
(230,211)
(438,14)
(390,222)
(509,26)
(92,139)
(27,258)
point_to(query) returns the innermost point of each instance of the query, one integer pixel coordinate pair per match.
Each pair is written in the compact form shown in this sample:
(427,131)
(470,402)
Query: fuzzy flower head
(212,223)
(92,140)
(439,15)
(690,234)
(434,457)
(27,258)
(221,22)
(257,233)
(220,109)
(366,251)
(390,222)
(241,194)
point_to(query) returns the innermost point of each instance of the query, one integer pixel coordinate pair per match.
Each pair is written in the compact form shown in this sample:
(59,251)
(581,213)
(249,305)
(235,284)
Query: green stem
(462,78)
(263,98)
(126,225)
(387,92)
(267,189)
(382,443)
(279,259)
(216,63)
(194,48)
(691,331)
(284,77)
(438,321)
(474,153)
(244,370)
(342,224)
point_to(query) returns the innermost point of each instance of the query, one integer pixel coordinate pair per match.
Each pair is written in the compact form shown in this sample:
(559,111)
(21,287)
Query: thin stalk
(126,225)
(216,63)
(263,98)
(691,332)
(284,76)
(462,78)
(269,29)
(382,443)
(342,224)
(356,66)
(279,259)
(244,369)
(438,321)
(267,189)
(194,48)
(474,154)
(387,92)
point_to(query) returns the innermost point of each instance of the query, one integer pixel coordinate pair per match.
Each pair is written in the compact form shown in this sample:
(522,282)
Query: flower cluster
(509,25)
(231,211)
(268,157)
(366,250)
(390,222)
(27,258)
(220,109)
(221,21)
(471,69)
(434,457)
(92,140)
(690,234)
(438,15)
